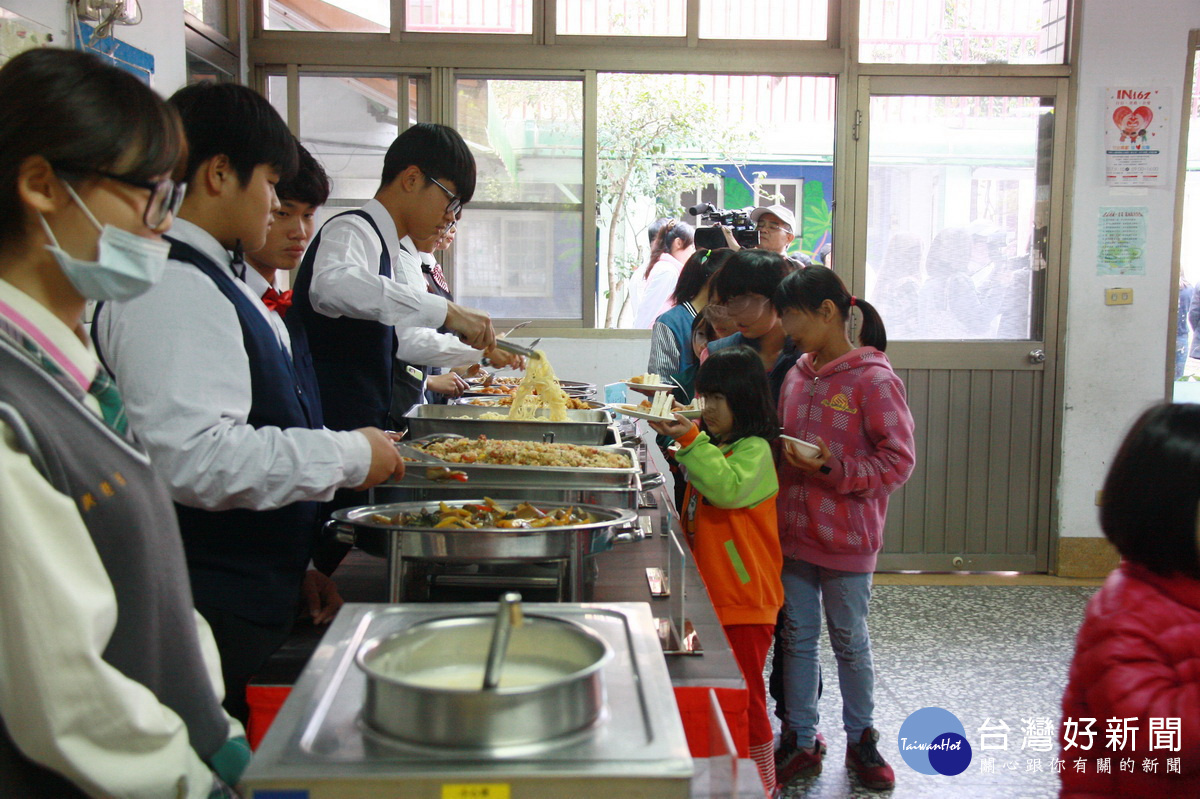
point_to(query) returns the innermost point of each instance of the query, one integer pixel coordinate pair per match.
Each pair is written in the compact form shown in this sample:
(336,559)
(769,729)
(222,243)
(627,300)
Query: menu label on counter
(481,790)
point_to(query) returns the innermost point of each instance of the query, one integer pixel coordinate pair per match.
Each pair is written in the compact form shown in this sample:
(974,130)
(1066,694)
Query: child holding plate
(729,517)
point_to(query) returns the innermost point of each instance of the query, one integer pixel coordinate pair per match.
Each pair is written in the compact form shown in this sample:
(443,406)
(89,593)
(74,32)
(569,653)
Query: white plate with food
(649,388)
(800,446)
(639,413)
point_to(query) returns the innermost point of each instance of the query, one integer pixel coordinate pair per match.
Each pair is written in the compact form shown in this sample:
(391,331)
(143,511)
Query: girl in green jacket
(729,517)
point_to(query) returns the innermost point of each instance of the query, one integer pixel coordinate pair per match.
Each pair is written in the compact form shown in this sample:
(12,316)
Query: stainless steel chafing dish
(321,746)
(490,474)
(593,427)
(404,546)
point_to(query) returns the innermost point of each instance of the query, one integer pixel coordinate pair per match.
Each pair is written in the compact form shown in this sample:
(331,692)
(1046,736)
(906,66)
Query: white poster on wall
(1121,247)
(1136,136)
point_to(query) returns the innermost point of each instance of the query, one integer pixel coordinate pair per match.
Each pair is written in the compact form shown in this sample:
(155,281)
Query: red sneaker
(793,763)
(863,759)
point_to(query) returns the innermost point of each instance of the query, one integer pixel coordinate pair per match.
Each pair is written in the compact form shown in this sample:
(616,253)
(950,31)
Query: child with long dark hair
(730,519)
(1137,649)
(846,400)
(653,285)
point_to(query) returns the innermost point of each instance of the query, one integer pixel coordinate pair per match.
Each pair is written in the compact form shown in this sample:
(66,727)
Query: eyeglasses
(165,196)
(454,207)
(772,228)
(746,307)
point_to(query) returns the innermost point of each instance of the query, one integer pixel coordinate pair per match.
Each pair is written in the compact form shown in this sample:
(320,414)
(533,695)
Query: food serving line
(653,731)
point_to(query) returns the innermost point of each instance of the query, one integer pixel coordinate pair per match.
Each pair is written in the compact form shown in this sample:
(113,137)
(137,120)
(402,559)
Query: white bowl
(801,447)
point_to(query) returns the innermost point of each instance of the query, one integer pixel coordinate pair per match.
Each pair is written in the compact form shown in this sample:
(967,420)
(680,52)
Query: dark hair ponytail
(673,230)
(807,288)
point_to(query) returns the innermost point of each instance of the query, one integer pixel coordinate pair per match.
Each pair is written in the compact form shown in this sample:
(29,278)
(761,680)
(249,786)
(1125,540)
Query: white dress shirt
(346,282)
(346,279)
(258,285)
(425,346)
(181,365)
(64,706)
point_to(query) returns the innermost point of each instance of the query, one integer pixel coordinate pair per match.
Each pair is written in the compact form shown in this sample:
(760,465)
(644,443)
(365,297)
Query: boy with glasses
(212,391)
(360,293)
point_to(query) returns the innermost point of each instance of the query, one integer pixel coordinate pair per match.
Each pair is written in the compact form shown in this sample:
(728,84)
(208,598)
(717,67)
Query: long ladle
(508,617)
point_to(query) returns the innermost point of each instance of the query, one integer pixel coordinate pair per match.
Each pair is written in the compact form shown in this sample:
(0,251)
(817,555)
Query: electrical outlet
(96,10)
(1118,296)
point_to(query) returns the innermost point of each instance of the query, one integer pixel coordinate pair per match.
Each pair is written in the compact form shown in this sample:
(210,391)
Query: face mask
(127,264)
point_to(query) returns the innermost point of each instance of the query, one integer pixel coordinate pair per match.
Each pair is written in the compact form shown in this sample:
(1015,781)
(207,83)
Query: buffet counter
(615,575)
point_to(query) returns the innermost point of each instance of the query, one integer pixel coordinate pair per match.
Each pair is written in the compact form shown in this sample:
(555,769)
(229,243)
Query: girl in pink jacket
(847,401)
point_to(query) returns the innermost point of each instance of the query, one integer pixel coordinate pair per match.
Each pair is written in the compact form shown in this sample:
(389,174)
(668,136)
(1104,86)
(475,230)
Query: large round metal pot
(359,526)
(424,684)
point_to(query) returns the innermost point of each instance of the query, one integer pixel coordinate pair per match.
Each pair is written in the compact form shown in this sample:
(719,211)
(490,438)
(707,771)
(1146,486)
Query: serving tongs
(436,468)
(517,349)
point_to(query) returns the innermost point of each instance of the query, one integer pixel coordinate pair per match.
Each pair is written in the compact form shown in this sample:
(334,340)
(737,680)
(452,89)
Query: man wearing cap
(776,226)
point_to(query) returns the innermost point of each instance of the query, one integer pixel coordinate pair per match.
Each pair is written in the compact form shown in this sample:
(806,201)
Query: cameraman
(775,225)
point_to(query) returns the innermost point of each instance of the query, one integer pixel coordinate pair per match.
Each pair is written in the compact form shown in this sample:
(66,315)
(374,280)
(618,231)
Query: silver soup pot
(424,684)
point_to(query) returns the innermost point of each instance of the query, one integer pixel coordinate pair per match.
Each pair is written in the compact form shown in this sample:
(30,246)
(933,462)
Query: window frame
(544,53)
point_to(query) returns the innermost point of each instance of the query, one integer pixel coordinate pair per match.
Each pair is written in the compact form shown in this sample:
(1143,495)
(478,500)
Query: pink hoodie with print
(856,403)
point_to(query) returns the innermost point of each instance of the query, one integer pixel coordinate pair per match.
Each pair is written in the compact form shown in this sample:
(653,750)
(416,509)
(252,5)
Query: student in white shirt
(211,389)
(360,292)
(109,681)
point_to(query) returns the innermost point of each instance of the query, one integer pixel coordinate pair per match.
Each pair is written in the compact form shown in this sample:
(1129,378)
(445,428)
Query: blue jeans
(847,597)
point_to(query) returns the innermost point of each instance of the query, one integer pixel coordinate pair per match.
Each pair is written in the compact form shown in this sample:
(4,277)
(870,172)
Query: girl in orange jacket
(730,520)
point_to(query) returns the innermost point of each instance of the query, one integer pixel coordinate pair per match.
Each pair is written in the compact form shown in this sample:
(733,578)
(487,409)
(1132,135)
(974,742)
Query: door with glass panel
(956,210)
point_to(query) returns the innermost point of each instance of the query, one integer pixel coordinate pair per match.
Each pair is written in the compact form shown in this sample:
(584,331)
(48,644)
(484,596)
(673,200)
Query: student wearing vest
(291,230)
(210,386)
(109,681)
(360,292)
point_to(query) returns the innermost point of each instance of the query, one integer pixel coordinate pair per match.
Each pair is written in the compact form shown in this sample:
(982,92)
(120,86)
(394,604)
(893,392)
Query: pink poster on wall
(1136,136)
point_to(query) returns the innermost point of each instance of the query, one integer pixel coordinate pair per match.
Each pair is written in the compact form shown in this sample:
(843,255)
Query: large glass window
(622,17)
(518,250)
(667,142)
(348,122)
(963,31)
(777,20)
(957,215)
(213,13)
(1187,323)
(468,16)
(354,16)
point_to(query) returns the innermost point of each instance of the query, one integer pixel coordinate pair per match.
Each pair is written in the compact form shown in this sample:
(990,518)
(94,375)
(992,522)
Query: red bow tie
(278,301)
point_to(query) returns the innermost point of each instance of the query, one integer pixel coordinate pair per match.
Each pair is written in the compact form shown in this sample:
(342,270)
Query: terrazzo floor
(986,654)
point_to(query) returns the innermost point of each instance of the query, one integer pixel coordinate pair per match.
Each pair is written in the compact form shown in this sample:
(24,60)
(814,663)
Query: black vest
(128,514)
(352,357)
(250,562)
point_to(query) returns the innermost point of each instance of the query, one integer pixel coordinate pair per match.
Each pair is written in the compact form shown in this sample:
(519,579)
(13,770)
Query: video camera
(711,238)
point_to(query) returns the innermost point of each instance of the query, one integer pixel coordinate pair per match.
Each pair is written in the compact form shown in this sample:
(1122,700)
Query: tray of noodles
(539,410)
(580,427)
(508,462)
